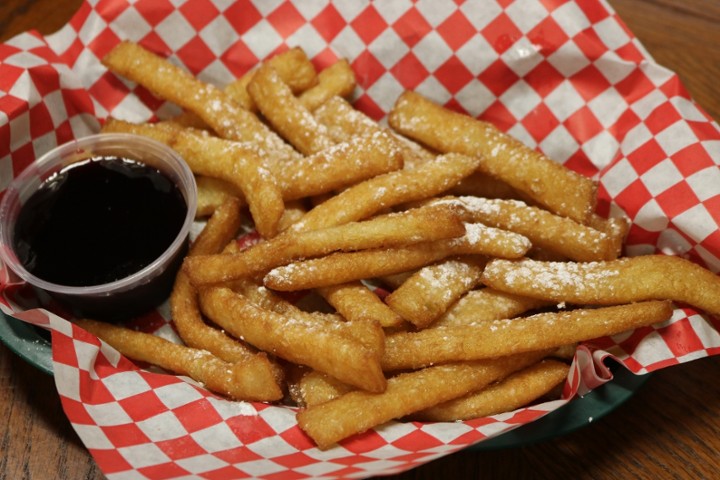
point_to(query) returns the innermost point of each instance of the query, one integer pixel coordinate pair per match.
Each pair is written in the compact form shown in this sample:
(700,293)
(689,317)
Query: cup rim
(170,157)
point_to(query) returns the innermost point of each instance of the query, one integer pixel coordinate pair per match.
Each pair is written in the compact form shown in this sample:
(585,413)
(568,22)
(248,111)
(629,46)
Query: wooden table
(669,429)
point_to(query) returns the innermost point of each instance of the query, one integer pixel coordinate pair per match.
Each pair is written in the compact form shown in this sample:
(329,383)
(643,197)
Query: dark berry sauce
(98,221)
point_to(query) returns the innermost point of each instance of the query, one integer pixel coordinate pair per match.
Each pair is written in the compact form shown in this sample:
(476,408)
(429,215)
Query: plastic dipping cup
(126,297)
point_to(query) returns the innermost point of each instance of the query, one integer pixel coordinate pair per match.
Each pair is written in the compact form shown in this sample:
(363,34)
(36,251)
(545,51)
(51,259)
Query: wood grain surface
(669,429)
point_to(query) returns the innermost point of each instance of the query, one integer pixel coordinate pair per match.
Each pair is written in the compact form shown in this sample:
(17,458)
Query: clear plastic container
(133,294)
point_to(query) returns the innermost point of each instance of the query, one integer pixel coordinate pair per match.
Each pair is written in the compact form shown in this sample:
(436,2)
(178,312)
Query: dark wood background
(669,429)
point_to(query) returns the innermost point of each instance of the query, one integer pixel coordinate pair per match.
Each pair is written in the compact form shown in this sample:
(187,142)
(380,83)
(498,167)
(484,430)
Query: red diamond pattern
(662,117)
(500,116)
(678,199)
(114,89)
(581,164)
(182,447)
(630,52)
(409,70)
(589,82)
(540,122)
(544,78)
(583,125)
(102,45)
(154,11)
(286,19)
(111,9)
(412,27)
(328,23)
(199,13)
(635,86)
(498,77)
(548,35)
(636,189)
(594,10)
(646,156)
(590,44)
(71,54)
(243,15)
(112,461)
(369,24)
(164,470)
(501,33)
(368,68)
(693,159)
(453,75)
(197,416)
(239,58)
(40,120)
(456,30)
(82,14)
(369,107)
(125,435)
(9,75)
(196,55)
(655,109)
(713,206)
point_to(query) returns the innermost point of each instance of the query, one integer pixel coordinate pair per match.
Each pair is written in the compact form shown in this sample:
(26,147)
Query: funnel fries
(344,267)
(519,389)
(238,380)
(609,283)
(548,183)
(504,337)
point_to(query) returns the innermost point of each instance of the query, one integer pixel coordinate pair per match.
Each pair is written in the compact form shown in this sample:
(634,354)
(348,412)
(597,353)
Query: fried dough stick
(354,300)
(213,192)
(340,166)
(343,122)
(170,82)
(628,279)
(430,291)
(231,161)
(290,118)
(357,302)
(241,380)
(357,411)
(326,346)
(553,233)
(481,185)
(220,229)
(369,334)
(487,304)
(366,264)
(546,182)
(337,79)
(412,226)
(519,389)
(315,387)
(292,66)
(384,191)
(504,337)
(192,329)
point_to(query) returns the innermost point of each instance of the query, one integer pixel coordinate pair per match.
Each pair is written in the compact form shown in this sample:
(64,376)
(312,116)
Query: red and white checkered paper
(565,77)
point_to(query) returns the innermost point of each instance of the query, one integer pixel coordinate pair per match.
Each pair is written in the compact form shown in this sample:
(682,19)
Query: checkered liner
(565,77)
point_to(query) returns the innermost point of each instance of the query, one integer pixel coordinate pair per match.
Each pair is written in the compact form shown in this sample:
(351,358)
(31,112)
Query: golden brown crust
(548,183)
(629,279)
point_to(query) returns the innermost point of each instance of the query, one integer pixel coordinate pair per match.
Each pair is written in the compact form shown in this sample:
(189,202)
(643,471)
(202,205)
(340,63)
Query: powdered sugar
(551,276)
